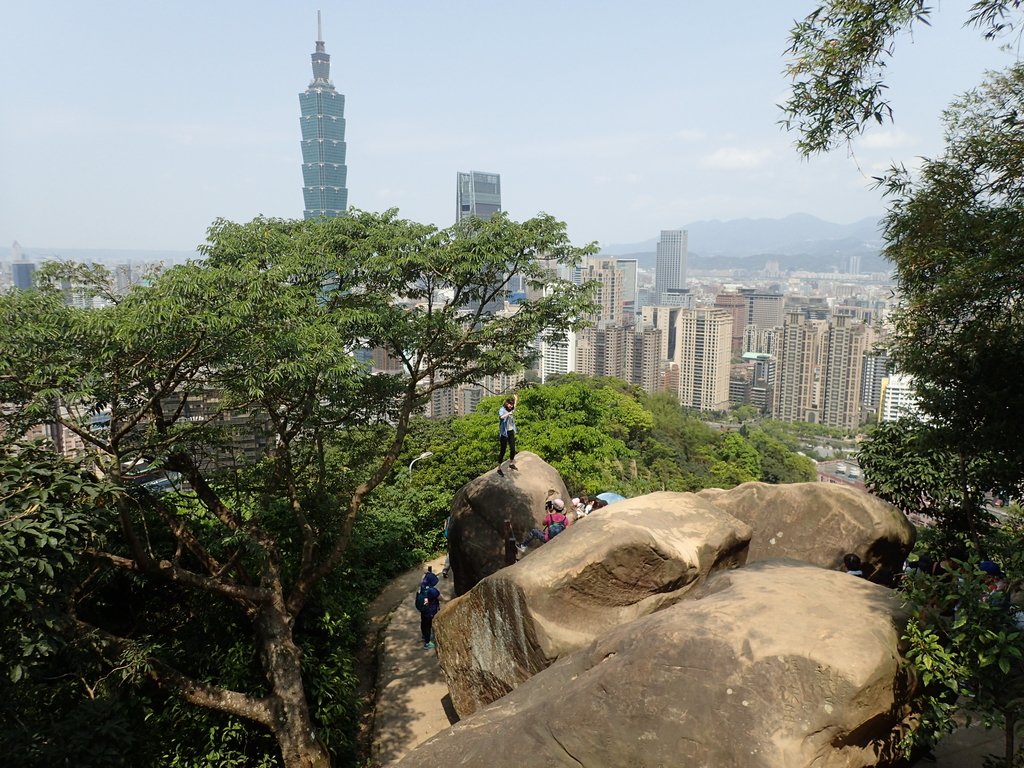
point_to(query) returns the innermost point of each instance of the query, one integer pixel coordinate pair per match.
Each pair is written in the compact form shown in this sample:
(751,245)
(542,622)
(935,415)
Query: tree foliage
(838,56)
(255,347)
(953,233)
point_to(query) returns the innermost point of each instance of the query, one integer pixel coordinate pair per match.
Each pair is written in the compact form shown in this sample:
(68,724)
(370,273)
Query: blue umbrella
(610,498)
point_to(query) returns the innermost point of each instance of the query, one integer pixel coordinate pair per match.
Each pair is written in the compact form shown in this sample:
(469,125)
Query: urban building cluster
(797,347)
(814,354)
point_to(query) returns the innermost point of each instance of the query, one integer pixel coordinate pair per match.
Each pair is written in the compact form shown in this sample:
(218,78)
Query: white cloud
(735,159)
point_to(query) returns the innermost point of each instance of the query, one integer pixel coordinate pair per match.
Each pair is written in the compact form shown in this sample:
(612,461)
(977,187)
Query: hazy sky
(136,124)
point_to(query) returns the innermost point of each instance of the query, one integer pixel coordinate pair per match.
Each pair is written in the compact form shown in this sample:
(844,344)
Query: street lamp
(423,455)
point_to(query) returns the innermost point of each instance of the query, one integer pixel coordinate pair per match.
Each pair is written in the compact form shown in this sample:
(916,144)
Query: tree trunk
(292,724)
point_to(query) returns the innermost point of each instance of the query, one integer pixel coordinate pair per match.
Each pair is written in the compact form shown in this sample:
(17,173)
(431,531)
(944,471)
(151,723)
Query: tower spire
(321,60)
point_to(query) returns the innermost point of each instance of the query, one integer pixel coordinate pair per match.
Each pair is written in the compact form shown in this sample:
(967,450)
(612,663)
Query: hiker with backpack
(555,522)
(428,603)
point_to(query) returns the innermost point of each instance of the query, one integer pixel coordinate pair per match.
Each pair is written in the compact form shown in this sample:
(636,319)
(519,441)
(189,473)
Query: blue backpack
(421,597)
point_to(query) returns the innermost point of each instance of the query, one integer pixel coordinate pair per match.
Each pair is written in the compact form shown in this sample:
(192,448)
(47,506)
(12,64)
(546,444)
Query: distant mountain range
(797,242)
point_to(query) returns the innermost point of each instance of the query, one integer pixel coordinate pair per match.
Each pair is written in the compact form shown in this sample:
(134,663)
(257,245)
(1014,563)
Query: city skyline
(683,128)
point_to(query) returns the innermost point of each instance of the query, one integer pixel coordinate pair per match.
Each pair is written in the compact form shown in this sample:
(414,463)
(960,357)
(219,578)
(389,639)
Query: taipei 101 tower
(323,140)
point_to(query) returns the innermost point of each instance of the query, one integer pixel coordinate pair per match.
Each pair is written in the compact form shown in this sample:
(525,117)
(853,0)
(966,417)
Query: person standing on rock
(428,602)
(507,432)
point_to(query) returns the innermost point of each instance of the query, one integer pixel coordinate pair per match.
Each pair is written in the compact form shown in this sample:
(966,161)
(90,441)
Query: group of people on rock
(557,518)
(583,505)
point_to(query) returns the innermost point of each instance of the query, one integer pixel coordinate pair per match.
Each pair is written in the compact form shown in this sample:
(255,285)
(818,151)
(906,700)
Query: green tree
(954,233)
(778,463)
(268,325)
(976,648)
(838,56)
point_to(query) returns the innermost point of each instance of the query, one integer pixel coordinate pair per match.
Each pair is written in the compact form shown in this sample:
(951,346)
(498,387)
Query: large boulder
(780,664)
(818,523)
(598,574)
(476,538)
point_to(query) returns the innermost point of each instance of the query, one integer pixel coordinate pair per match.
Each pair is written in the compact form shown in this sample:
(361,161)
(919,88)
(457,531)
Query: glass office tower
(478,194)
(670,267)
(324,173)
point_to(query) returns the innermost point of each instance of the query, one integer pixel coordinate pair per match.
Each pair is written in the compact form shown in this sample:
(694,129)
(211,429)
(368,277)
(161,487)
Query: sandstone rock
(476,539)
(818,523)
(779,664)
(602,572)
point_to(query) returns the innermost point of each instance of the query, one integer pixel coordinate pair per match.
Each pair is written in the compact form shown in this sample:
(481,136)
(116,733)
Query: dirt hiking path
(412,702)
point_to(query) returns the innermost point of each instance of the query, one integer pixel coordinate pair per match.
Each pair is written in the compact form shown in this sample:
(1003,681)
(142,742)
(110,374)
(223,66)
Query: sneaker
(444,574)
(522,547)
(429,646)
(500,472)
(512,465)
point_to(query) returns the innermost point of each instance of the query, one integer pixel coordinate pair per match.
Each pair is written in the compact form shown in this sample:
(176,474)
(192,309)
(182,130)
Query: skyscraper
(478,194)
(670,266)
(324,173)
(22,274)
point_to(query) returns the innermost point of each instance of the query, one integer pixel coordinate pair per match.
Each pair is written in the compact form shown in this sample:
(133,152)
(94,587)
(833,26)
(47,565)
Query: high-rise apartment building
(798,370)
(670,265)
(819,371)
(877,366)
(764,310)
(557,358)
(705,350)
(846,345)
(898,399)
(324,173)
(477,194)
(630,270)
(695,351)
(605,351)
(605,271)
(736,305)
(647,359)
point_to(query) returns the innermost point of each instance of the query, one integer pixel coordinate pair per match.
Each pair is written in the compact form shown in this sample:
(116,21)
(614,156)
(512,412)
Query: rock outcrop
(818,523)
(779,664)
(476,538)
(610,569)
